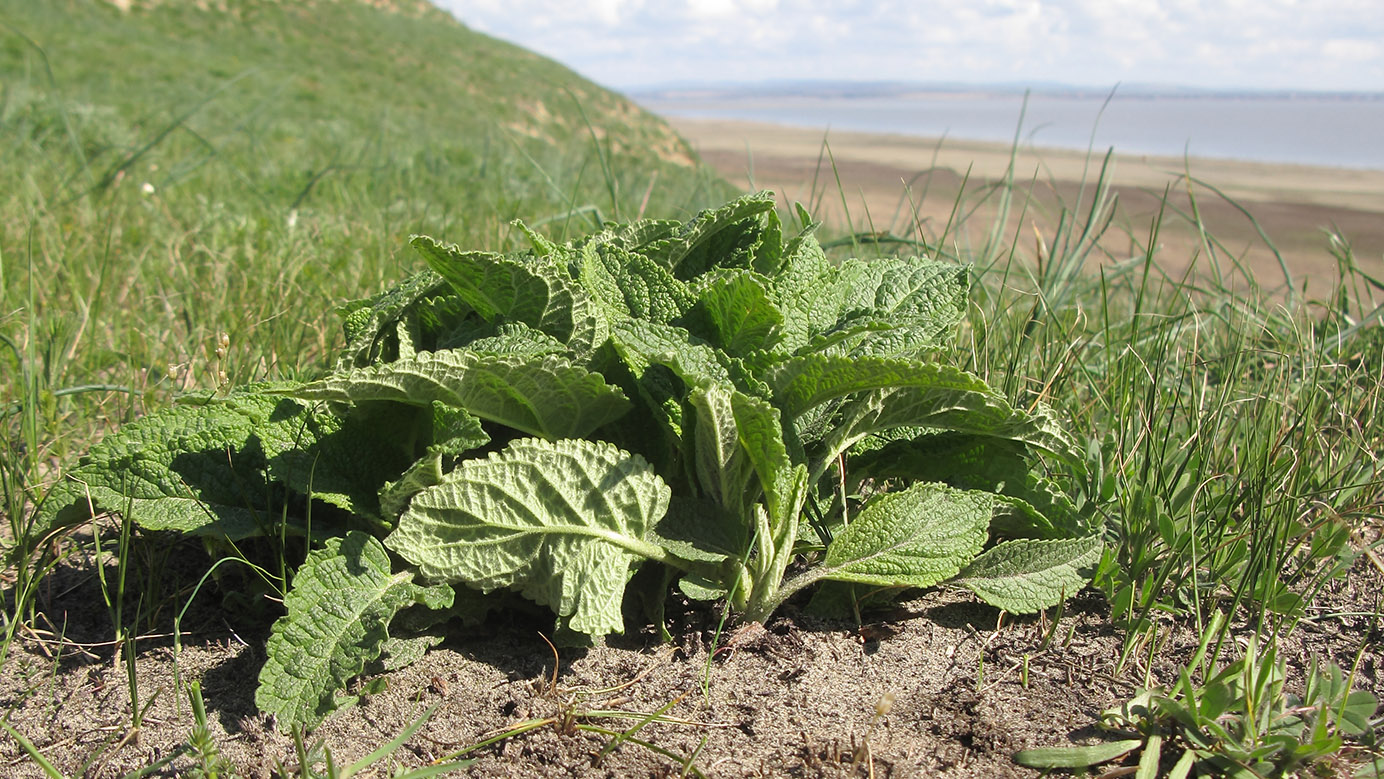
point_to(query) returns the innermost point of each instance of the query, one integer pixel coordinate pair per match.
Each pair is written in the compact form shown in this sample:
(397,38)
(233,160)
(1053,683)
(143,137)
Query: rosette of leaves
(711,396)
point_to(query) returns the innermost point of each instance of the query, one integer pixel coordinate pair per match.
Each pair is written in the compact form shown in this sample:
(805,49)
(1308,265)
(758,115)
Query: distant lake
(1309,130)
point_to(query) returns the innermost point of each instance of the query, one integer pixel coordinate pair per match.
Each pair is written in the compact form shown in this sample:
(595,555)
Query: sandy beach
(908,185)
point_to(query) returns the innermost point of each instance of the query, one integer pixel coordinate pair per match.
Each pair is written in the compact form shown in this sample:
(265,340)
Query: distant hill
(304,104)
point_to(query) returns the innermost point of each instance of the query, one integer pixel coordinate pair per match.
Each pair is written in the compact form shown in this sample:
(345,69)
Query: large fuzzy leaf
(739,450)
(724,470)
(341,459)
(543,396)
(913,538)
(736,313)
(720,237)
(372,325)
(338,620)
(805,275)
(885,307)
(1027,575)
(642,344)
(638,235)
(628,285)
(695,362)
(535,291)
(922,299)
(885,393)
(201,466)
(455,432)
(801,383)
(561,522)
(516,338)
(973,462)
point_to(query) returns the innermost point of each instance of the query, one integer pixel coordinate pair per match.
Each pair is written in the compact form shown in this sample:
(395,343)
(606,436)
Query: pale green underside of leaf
(724,469)
(1027,575)
(543,396)
(561,522)
(913,538)
(338,618)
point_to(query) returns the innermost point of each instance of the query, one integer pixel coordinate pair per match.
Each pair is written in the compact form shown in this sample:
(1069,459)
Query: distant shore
(1293,204)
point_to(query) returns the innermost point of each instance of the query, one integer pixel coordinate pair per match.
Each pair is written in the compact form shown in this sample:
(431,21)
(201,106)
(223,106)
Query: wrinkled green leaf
(627,285)
(738,315)
(912,538)
(517,338)
(338,620)
(534,291)
(455,432)
(642,344)
(884,307)
(892,393)
(1027,575)
(561,522)
(803,382)
(924,299)
(198,467)
(371,325)
(720,237)
(543,396)
(723,467)
(971,462)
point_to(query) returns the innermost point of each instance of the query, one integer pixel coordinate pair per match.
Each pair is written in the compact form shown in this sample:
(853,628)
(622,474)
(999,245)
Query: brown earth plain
(939,686)
(879,183)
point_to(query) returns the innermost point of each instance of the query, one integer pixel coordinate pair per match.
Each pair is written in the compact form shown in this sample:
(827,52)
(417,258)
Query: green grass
(184,229)
(172,231)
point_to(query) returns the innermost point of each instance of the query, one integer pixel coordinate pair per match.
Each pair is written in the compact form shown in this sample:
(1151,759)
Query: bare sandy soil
(937,687)
(898,184)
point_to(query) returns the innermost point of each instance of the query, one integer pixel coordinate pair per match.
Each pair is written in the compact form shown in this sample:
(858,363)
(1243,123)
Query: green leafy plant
(706,396)
(1238,721)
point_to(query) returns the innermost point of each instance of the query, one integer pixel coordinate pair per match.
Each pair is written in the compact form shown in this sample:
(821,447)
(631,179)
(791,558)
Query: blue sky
(1275,44)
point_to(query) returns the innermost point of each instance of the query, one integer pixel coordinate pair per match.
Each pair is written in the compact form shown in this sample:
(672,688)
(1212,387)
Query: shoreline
(915,182)
(1359,188)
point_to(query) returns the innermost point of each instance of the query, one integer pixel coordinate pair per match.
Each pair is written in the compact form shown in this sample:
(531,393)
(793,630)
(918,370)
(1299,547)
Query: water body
(1345,132)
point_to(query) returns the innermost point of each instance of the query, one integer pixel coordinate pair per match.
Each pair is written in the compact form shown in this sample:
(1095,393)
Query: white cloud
(1331,44)
(1352,50)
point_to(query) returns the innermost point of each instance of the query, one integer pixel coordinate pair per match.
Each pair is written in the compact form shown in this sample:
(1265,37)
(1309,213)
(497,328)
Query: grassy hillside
(177,171)
(282,101)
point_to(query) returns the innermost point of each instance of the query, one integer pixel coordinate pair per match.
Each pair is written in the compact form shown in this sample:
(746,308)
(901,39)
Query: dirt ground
(895,183)
(930,687)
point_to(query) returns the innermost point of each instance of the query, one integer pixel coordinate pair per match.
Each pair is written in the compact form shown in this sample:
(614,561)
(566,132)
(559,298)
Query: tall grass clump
(1234,445)
(1233,439)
